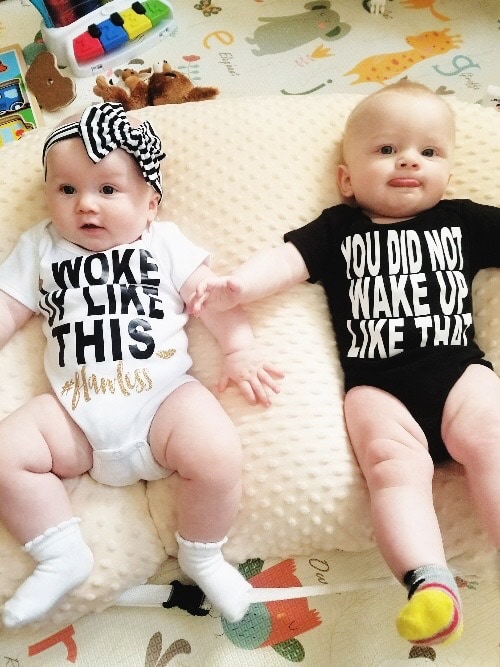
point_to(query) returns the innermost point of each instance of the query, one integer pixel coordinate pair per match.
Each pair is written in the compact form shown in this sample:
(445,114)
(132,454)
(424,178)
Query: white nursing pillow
(239,173)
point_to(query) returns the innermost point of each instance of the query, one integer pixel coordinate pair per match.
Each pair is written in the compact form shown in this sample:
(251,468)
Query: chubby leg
(39,445)
(392,452)
(192,435)
(471,432)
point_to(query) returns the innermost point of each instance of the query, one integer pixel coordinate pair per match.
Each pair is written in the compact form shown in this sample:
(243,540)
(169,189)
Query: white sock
(64,562)
(223,585)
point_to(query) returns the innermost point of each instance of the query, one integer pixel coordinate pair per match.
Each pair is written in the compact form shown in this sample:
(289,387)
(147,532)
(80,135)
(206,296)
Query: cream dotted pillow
(241,172)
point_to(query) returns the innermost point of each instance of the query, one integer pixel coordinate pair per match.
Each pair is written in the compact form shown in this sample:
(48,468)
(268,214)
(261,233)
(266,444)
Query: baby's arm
(266,273)
(243,360)
(13,316)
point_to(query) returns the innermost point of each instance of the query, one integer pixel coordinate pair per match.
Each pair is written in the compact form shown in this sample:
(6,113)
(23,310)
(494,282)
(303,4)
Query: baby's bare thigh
(374,413)
(472,409)
(380,426)
(44,436)
(191,422)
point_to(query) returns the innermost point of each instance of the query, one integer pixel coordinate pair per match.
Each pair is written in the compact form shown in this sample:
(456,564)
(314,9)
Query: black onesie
(400,298)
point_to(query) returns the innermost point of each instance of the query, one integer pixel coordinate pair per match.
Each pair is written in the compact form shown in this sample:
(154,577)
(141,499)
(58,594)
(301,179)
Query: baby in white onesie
(111,284)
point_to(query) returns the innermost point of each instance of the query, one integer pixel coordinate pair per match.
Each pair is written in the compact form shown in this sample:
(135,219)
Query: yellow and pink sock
(433,613)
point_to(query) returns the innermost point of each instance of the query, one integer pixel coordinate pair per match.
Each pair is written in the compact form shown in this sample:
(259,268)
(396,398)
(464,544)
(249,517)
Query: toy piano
(89,42)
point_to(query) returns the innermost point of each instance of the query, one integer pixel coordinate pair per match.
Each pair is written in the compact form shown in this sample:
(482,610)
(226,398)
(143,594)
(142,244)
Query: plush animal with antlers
(143,88)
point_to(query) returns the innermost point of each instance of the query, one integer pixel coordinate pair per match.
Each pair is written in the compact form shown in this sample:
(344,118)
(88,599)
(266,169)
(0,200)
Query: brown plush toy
(166,86)
(51,89)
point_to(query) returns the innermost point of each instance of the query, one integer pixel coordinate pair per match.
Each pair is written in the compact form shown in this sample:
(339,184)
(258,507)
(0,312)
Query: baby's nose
(86,201)
(408,159)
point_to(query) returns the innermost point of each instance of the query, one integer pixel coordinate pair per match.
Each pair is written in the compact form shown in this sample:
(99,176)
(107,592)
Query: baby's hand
(253,375)
(216,294)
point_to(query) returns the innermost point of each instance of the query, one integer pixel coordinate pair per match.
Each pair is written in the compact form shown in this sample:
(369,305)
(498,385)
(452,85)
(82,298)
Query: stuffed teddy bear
(163,86)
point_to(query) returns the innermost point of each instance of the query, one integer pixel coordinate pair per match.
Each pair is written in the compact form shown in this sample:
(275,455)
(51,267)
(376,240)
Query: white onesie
(114,324)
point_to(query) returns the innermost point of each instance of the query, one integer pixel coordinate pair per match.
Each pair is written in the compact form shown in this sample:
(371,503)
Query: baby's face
(97,206)
(398,153)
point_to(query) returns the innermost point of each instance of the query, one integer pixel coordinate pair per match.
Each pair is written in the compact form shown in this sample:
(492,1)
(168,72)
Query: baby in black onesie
(397,262)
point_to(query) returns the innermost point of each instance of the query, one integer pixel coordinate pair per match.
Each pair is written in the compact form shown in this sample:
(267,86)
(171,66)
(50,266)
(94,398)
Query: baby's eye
(387,150)
(108,190)
(429,152)
(67,189)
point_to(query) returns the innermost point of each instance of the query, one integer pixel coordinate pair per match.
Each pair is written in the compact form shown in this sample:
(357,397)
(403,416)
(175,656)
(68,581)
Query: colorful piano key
(122,26)
(111,34)
(155,10)
(87,47)
(135,24)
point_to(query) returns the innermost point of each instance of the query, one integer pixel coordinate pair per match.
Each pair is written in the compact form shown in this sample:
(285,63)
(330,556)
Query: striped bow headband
(105,127)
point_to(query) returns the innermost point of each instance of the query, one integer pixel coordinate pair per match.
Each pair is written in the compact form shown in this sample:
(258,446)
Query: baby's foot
(431,616)
(64,562)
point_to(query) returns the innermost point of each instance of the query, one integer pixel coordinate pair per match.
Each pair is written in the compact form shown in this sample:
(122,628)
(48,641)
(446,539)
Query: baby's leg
(392,453)
(193,435)
(471,431)
(39,444)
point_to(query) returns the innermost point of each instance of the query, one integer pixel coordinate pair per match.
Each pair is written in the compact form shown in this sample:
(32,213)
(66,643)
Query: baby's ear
(344,181)
(154,203)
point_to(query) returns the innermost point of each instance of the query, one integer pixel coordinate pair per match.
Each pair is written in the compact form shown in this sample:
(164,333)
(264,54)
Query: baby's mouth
(404,182)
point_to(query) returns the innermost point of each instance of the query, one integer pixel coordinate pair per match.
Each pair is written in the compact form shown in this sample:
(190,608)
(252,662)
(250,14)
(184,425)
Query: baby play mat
(299,48)
(241,170)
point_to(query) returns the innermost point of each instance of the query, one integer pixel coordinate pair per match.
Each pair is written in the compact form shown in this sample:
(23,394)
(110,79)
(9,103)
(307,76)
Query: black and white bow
(104,128)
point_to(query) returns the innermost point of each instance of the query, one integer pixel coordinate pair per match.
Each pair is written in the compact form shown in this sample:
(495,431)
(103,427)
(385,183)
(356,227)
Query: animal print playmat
(349,628)
(293,47)
(289,47)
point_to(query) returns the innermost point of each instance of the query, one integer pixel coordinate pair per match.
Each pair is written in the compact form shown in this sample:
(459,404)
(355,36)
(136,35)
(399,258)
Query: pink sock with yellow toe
(433,613)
